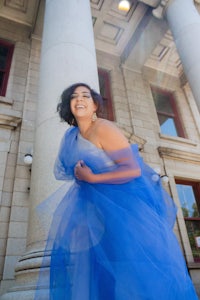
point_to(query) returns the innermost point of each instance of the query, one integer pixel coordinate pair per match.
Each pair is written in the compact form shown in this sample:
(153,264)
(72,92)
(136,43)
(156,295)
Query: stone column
(68,56)
(184,22)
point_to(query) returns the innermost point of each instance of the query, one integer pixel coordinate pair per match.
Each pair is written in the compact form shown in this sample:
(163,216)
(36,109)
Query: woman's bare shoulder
(103,124)
(110,136)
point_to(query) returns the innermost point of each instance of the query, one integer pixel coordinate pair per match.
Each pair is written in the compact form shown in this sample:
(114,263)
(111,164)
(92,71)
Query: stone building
(146,63)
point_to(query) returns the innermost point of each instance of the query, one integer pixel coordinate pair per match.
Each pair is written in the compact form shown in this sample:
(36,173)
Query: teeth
(79,106)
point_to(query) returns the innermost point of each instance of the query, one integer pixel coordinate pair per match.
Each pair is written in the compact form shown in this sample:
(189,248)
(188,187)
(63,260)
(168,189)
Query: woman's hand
(83,172)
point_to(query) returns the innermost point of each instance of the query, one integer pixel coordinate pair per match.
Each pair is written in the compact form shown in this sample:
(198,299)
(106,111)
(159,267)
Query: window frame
(196,190)
(108,98)
(6,70)
(175,115)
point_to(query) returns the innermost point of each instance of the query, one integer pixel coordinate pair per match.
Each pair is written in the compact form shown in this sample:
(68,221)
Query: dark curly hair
(63,107)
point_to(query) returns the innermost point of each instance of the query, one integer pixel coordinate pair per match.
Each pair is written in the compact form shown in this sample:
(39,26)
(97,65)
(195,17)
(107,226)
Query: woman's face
(82,104)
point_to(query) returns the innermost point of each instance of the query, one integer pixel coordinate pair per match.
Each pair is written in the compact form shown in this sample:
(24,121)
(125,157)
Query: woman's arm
(121,175)
(114,143)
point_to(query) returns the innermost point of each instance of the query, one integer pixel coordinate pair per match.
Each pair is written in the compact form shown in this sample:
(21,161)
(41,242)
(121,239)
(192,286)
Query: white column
(68,56)
(184,22)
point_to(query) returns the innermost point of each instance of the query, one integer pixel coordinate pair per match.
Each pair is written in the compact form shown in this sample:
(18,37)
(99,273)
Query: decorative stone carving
(97,4)
(110,33)
(132,138)
(152,3)
(158,5)
(158,12)
(9,122)
(167,152)
(17,4)
(9,119)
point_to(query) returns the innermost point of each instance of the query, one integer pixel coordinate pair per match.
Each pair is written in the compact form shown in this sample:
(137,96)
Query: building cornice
(9,122)
(192,157)
(9,118)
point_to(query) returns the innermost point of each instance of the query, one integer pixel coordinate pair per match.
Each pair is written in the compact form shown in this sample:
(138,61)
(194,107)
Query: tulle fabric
(111,241)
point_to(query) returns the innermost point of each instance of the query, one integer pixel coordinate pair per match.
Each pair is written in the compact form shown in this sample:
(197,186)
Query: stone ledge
(9,118)
(9,121)
(193,265)
(5,100)
(182,155)
(177,139)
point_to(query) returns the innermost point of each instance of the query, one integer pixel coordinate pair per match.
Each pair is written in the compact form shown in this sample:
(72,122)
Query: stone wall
(16,139)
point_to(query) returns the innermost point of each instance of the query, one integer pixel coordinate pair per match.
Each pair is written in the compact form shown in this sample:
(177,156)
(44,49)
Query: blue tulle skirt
(115,241)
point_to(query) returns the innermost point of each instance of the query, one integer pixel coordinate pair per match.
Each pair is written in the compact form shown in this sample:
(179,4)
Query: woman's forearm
(116,177)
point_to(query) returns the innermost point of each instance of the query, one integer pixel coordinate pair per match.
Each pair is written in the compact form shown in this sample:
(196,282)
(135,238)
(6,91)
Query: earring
(73,122)
(94,117)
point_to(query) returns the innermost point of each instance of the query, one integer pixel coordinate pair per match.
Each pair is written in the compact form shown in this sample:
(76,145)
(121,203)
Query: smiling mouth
(80,106)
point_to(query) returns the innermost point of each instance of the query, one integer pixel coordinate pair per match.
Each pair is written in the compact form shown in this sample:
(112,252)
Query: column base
(26,275)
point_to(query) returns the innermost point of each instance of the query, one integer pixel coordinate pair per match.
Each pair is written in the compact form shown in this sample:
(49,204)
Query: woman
(112,233)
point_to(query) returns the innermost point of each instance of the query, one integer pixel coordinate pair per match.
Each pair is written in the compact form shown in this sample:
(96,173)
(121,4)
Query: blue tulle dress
(112,241)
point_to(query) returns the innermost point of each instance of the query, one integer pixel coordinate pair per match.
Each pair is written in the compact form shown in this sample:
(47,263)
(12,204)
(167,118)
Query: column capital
(159,6)
(154,3)
(159,11)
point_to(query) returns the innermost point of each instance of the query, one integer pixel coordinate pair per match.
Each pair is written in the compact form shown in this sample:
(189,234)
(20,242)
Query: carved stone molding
(6,101)
(193,157)
(158,5)
(20,5)
(133,139)
(159,11)
(96,4)
(110,33)
(152,3)
(9,118)
(20,11)
(113,28)
(9,122)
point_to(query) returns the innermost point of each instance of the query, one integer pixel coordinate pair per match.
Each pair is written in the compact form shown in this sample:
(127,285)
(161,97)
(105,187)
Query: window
(189,196)
(167,113)
(6,52)
(104,85)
